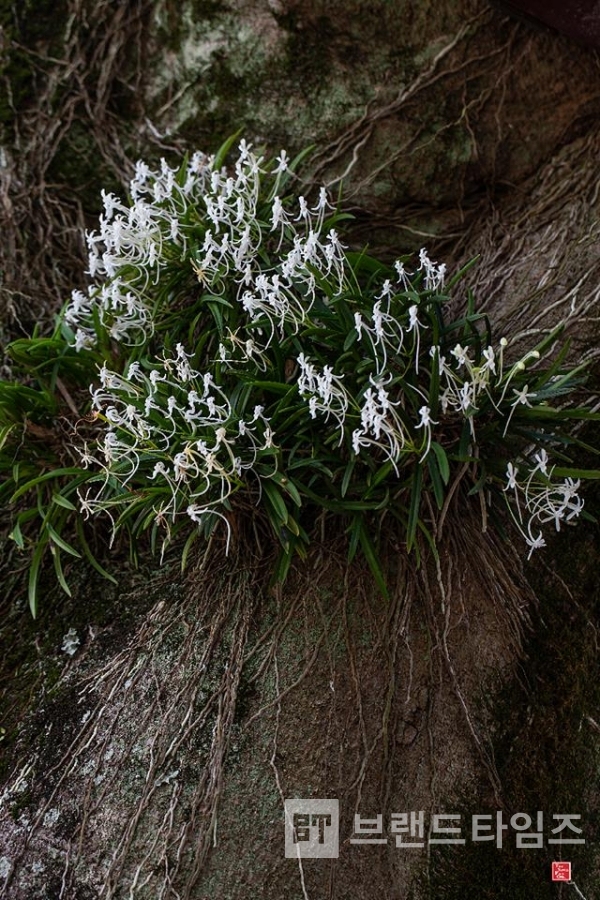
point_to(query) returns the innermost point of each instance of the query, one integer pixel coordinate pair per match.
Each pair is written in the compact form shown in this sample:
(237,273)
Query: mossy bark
(155,761)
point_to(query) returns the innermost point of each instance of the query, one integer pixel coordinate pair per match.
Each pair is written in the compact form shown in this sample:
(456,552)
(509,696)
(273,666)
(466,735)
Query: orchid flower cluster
(302,373)
(181,424)
(208,217)
(537,503)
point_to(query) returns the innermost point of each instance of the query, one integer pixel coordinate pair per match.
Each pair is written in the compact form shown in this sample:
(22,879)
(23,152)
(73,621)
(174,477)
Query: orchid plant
(248,361)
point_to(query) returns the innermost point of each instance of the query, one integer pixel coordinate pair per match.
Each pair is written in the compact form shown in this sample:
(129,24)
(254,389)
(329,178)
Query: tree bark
(156,761)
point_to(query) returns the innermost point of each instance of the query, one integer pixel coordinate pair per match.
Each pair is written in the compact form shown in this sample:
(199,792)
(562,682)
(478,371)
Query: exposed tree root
(131,805)
(98,67)
(149,758)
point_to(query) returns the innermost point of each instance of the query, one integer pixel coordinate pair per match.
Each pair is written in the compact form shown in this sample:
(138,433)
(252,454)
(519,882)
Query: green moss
(33,664)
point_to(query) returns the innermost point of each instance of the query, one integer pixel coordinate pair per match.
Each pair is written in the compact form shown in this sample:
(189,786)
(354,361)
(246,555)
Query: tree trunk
(156,761)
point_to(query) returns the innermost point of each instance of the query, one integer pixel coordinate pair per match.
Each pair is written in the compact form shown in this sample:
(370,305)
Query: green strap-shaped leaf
(60,541)
(89,555)
(371,556)
(34,572)
(585,474)
(436,481)
(276,503)
(442,461)
(59,571)
(60,500)
(347,476)
(47,476)
(221,154)
(415,506)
